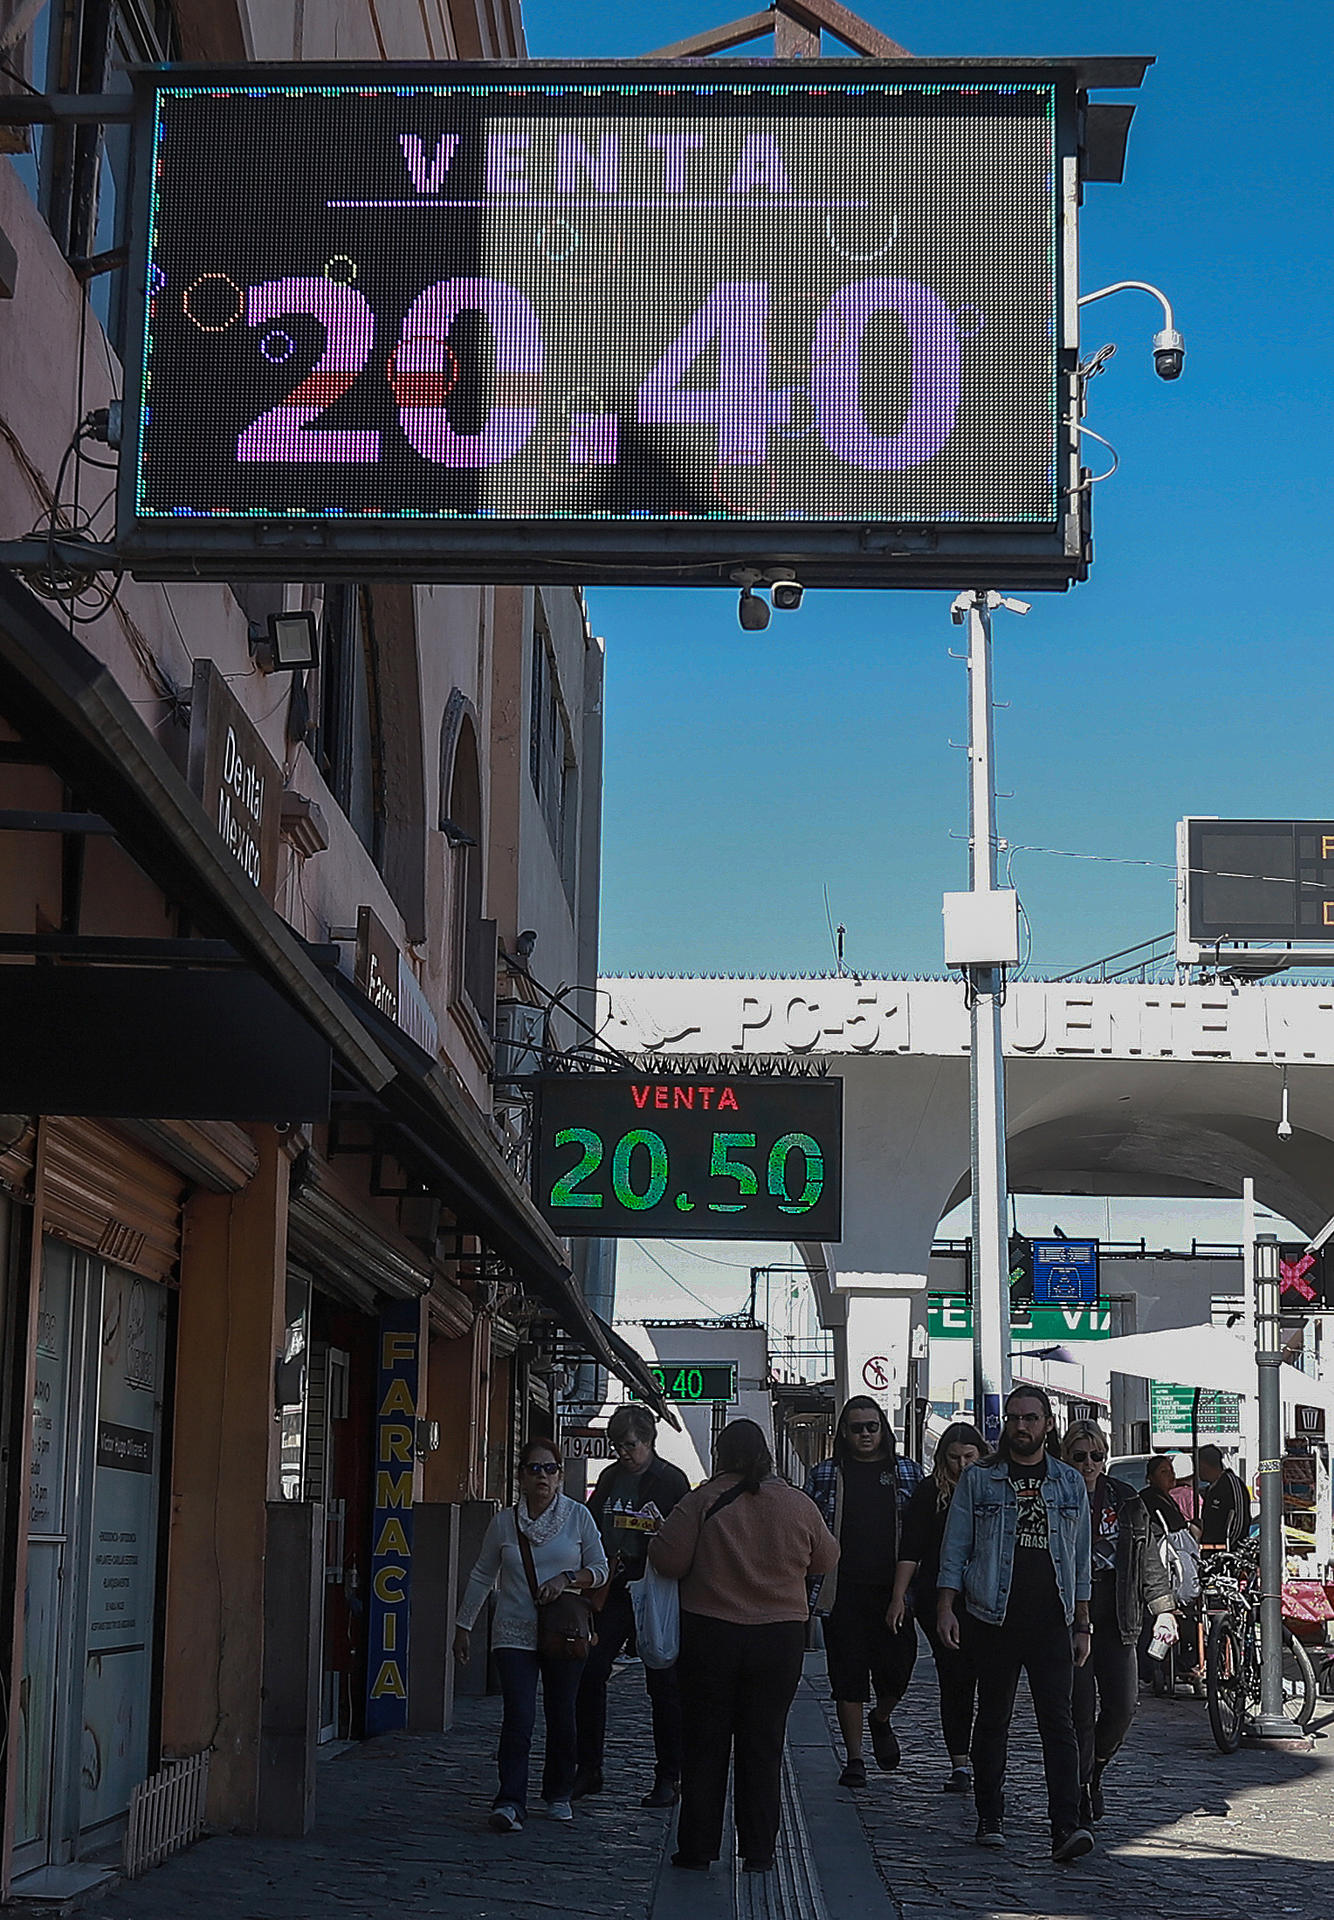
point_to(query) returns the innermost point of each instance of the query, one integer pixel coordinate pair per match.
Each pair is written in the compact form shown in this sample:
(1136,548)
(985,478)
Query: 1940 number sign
(739,1157)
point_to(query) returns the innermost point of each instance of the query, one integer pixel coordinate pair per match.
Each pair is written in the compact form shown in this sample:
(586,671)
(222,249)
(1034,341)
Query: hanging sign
(388,1614)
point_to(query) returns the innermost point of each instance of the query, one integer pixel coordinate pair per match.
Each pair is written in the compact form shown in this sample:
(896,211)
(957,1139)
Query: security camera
(787,595)
(1169,354)
(753,613)
(1284,1129)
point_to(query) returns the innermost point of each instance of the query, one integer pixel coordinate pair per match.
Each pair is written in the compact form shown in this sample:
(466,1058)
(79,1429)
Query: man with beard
(1017,1546)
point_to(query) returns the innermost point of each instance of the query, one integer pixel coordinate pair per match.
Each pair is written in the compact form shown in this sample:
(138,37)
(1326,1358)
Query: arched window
(349,741)
(473,939)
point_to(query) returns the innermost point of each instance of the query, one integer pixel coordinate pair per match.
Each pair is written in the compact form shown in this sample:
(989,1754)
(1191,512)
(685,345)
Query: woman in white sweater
(567,1552)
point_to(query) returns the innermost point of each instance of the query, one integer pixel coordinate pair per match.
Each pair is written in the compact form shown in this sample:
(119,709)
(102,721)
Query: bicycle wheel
(1299,1688)
(1225,1682)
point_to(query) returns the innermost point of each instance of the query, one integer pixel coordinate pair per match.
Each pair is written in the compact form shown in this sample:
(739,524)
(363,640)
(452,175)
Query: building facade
(278,1309)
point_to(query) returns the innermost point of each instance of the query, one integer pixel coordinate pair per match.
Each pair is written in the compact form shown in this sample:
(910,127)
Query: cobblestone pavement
(1189,1833)
(401,1830)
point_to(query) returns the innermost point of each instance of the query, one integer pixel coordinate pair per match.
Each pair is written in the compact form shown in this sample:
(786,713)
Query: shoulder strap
(725,1500)
(526,1555)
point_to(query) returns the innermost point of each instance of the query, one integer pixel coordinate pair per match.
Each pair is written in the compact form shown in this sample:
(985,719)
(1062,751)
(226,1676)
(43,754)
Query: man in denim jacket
(1017,1547)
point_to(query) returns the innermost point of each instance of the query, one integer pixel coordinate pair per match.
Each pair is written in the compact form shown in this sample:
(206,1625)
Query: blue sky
(747,773)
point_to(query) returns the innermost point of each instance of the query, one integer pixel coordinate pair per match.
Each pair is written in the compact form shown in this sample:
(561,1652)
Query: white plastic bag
(657,1605)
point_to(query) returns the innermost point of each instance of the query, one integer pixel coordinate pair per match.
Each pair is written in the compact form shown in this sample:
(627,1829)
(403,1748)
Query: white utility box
(982,929)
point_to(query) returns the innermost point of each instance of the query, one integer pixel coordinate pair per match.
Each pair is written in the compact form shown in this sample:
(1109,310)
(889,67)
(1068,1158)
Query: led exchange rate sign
(620,322)
(723,1157)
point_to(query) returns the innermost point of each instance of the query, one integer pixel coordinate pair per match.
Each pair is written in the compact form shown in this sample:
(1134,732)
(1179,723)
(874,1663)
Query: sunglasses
(540,1466)
(1080,1458)
(863,1426)
(624,1446)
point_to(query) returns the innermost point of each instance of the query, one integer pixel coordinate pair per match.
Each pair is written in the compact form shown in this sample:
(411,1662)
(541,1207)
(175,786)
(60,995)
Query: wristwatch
(1083,1626)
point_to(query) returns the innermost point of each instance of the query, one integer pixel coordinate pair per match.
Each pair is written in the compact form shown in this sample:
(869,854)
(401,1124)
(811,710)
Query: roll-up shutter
(107,1196)
(352,1254)
(18,1144)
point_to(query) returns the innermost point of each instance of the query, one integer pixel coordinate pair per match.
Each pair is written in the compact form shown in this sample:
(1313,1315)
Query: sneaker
(666,1792)
(560,1810)
(1070,1843)
(960,1781)
(990,1832)
(690,1864)
(884,1743)
(505,1819)
(853,1775)
(588,1780)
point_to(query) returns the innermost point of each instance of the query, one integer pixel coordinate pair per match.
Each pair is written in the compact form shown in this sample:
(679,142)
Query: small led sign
(1260,881)
(722,1156)
(615,322)
(693,1382)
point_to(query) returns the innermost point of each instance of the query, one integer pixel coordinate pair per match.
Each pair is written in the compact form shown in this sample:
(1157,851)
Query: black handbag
(565,1624)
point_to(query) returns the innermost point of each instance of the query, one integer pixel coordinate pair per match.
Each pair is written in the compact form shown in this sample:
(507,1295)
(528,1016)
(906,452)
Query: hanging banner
(396,1401)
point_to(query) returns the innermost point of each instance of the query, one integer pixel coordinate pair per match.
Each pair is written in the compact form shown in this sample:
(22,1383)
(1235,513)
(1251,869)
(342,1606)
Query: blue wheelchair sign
(1065,1273)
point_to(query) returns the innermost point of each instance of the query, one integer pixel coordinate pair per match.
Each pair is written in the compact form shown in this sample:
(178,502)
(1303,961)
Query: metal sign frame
(695,550)
(1266,947)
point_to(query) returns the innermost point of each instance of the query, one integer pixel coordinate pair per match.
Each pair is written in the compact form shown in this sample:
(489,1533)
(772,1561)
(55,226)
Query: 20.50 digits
(641,1175)
(742,405)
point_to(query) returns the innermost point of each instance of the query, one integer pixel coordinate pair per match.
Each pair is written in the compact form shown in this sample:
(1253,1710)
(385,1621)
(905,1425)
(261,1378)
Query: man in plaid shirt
(861,1493)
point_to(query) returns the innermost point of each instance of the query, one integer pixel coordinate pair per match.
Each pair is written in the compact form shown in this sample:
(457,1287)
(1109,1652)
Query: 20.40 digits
(640,1173)
(743,407)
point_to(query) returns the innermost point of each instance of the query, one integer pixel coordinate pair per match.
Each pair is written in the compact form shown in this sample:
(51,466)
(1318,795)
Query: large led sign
(621,323)
(730,1156)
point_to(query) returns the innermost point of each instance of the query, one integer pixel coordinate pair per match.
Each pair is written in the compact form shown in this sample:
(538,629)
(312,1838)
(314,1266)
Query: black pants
(737,1685)
(958,1688)
(1040,1646)
(615,1629)
(863,1657)
(1103,1699)
(519,1672)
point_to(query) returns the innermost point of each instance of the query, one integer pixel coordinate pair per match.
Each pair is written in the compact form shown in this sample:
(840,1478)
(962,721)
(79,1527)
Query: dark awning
(60,697)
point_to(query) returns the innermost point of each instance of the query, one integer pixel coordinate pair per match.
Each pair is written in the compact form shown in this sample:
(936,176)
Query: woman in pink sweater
(743,1547)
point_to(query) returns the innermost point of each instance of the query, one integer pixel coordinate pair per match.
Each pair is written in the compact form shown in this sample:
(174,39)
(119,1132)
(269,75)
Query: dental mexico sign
(623,322)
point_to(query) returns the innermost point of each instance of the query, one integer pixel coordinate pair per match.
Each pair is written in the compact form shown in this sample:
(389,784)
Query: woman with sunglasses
(566,1551)
(1127,1578)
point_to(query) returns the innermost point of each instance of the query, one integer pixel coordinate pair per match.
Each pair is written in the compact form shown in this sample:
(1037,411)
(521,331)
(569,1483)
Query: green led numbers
(621,1162)
(786,1145)
(563,1192)
(737,1170)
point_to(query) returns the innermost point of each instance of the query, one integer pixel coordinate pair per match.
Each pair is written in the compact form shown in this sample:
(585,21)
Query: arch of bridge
(1112,1089)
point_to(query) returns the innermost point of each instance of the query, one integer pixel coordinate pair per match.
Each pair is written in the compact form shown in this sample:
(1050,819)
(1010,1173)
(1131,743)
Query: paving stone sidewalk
(1189,1833)
(401,1830)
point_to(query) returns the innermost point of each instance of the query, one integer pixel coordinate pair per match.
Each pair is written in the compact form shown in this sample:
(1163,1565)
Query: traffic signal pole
(986,990)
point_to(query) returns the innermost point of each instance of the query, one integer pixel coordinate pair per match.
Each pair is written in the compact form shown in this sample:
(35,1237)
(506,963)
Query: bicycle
(1230,1598)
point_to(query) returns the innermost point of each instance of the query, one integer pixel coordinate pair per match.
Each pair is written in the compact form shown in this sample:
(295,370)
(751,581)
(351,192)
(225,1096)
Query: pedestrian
(565,1551)
(743,1547)
(863,1492)
(630,1501)
(1224,1518)
(958,1448)
(1016,1547)
(1129,1575)
(1167,1523)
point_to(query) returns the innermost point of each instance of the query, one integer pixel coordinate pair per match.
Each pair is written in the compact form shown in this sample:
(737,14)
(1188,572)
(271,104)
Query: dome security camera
(1169,354)
(752,612)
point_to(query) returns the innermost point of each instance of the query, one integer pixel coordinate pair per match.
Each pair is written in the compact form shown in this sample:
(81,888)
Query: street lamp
(1271,1724)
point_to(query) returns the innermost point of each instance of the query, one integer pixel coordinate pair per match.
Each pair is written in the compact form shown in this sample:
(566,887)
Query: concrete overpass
(1111,1089)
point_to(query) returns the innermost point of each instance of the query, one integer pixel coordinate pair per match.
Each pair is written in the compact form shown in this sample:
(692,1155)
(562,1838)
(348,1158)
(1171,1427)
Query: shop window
(552,765)
(349,737)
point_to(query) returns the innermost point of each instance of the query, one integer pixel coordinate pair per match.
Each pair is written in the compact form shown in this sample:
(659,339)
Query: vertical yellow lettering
(398,1399)
(389,1680)
(393,1491)
(391,1633)
(396,1348)
(1327,846)
(396,1440)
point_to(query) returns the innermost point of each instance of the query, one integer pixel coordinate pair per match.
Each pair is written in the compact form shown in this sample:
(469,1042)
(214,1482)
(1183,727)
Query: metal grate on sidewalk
(792,1891)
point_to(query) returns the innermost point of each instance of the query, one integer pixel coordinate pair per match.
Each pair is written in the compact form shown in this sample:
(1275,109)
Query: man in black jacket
(632,1498)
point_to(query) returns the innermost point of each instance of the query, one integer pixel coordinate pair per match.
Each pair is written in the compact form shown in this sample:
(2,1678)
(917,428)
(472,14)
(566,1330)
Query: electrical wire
(677,1282)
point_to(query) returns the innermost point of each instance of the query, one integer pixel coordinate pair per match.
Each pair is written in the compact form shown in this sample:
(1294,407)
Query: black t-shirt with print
(1033,1582)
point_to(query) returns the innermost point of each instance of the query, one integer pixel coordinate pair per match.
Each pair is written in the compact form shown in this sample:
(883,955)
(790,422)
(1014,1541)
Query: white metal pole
(1250,1413)
(991,1238)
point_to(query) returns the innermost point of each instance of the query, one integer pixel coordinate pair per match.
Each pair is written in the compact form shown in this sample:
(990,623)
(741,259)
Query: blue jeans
(519,1670)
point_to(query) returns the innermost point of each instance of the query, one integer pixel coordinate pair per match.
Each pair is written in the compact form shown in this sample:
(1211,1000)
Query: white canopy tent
(1204,1356)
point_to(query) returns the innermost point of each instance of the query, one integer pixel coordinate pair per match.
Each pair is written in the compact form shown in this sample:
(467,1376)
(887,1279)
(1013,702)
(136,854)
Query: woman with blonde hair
(1127,1578)
(957,1449)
